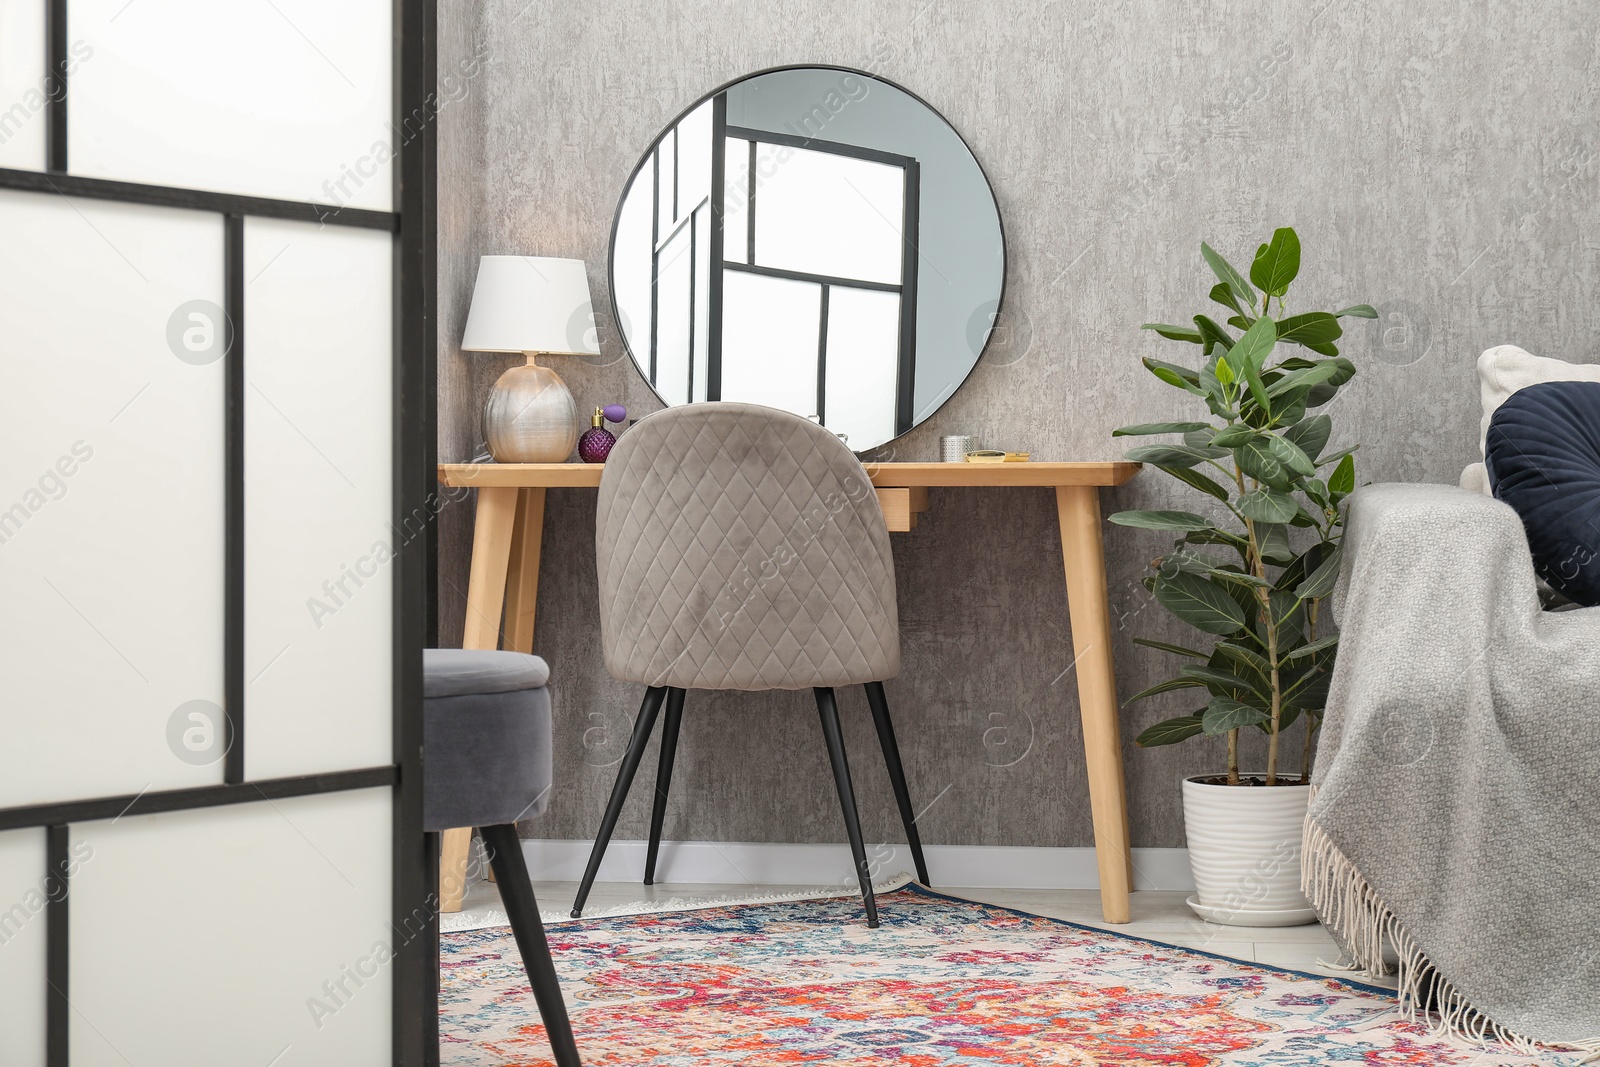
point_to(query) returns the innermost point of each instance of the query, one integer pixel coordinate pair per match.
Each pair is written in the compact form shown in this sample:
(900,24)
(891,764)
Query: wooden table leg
(486,591)
(522,579)
(1083,552)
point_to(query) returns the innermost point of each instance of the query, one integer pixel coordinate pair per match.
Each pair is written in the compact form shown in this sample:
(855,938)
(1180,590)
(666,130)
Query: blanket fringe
(1363,925)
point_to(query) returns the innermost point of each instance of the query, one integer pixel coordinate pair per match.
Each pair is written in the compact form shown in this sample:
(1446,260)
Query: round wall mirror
(815,239)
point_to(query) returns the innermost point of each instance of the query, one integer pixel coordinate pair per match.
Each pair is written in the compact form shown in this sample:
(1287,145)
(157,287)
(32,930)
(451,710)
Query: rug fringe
(1363,925)
(460,921)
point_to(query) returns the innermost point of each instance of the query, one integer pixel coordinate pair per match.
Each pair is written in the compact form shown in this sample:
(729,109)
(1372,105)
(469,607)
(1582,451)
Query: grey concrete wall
(1437,158)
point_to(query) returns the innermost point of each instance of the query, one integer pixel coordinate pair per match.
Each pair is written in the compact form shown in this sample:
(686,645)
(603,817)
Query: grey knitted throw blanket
(1455,817)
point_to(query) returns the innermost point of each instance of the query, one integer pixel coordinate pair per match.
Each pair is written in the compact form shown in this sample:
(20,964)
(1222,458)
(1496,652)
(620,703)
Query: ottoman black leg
(516,892)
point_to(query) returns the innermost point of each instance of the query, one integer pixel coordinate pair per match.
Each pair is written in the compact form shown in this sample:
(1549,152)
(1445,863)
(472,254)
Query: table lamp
(537,306)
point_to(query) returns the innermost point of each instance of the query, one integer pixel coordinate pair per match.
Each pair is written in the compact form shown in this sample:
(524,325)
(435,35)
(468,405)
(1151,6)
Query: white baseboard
(740,863)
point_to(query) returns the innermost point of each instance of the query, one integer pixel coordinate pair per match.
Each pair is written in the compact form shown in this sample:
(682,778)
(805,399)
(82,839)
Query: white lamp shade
(531,304)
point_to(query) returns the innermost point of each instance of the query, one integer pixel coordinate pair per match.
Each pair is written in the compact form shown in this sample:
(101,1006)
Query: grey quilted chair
(742,547)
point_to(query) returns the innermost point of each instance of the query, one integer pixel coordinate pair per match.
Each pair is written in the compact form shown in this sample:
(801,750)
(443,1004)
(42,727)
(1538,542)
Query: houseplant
(1253,577)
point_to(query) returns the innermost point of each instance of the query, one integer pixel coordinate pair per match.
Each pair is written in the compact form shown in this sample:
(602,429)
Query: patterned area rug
(943,982)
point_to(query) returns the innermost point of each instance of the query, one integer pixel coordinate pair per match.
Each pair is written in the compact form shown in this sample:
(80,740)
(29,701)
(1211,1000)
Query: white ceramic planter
(1244,849)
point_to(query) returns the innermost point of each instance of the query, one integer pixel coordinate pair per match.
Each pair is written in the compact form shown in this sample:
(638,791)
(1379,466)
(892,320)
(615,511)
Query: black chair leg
(516,893)
(642,726)
(897,775)
(829,712)
(669,751)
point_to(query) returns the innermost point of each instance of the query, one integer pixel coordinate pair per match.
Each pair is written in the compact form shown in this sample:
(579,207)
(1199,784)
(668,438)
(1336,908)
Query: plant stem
(1277,692)
(1311,728)
(1258,568)
(1233,757)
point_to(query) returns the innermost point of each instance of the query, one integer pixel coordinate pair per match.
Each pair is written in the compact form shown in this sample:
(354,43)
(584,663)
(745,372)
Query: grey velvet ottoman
(487,763)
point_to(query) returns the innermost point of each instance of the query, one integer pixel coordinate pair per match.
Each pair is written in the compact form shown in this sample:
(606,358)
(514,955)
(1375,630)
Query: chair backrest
(742,547)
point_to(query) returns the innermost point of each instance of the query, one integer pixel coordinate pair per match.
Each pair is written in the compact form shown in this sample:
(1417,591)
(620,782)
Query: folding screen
(216,292)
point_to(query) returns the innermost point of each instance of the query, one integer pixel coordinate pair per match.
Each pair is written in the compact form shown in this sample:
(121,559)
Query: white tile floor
(1159,916)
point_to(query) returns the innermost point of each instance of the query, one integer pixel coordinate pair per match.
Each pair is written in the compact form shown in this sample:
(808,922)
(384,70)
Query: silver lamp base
(531,416)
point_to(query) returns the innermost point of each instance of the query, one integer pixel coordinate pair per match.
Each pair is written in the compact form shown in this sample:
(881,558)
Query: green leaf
(1162,520)
(1233,436)
(1266,505)
(1145,429)
(1304,379)
(1342,482)
(1274,460)
(1289,616)
(1273,541)
(1310,435)
(1223,683)
(1249,355)
(1322,580)
(1221,294)
(1238,577)
(1246,662)
(1311,328)
(1214,536)
(1311,694)
(1164,687)
(1228,276)
(1255,345)
(1197,480)
(1212,334)
(1222,715)
(1321,394)
(1170,732)
(1328,461)
(1308,651)
(1359,311)
(1172,374)
(1167,455)
(1224,372)
(1199,603)
(1277,262)
(1183,557)
(1174,333)
(1176,650)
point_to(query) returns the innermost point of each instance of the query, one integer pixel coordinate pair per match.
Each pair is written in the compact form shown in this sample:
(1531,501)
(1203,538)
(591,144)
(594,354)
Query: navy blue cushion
(1543,456)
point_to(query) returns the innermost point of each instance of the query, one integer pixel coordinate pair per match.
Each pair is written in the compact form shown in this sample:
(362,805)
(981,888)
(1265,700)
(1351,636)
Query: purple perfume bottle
(595,444)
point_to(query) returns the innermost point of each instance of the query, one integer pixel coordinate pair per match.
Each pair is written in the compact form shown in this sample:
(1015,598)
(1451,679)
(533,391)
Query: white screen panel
(22,948)
(318,503)
(828,214)
(288,99)
(769,341)
(22,84)
(223,936)
(863,364)
(736,201)
(674,271)
(111,520)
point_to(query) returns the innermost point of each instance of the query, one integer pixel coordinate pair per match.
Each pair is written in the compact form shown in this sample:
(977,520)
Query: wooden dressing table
(505,575)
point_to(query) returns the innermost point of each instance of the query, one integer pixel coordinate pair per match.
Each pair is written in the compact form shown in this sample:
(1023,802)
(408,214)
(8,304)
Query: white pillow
(1504,369)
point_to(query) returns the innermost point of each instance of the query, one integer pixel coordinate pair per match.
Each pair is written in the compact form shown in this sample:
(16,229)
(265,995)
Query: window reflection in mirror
(813,239)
